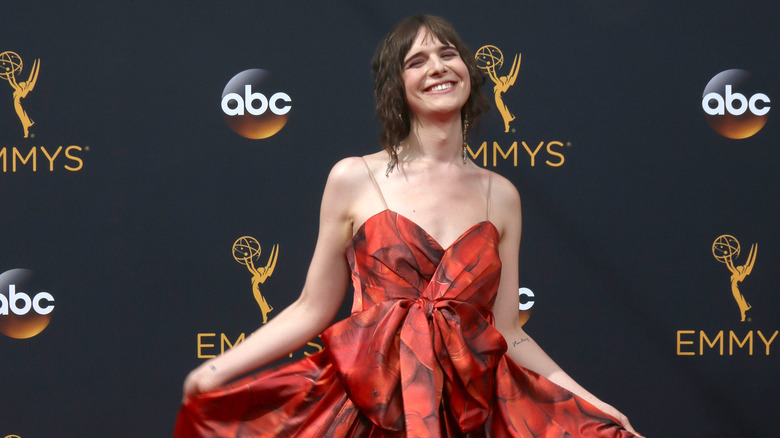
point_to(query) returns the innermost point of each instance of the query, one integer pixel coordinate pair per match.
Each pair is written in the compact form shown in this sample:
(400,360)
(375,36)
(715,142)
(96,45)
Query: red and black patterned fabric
(418,357)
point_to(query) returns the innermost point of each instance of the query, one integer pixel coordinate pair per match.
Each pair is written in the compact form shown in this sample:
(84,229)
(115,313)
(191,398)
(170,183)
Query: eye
(412,63)
(449,54)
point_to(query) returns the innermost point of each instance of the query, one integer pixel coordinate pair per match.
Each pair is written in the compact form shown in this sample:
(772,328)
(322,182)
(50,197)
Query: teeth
(442,87)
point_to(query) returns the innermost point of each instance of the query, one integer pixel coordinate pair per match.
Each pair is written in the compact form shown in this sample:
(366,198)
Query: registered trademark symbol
(86,148)
(568,144)
(32,135)
(750,319)
(514,130)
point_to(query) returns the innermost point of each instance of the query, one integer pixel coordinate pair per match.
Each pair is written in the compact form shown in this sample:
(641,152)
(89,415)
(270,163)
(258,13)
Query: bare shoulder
(346,170)
(349,190)
(353,170)
(346,177)
(504,193)
(505,209)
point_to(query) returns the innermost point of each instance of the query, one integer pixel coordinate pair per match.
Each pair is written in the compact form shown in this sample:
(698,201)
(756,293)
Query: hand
(621,419)
(202,379)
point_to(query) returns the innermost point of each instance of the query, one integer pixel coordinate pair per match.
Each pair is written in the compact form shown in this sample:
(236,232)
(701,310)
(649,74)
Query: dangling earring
(393,154)
(393,161)
(465,130)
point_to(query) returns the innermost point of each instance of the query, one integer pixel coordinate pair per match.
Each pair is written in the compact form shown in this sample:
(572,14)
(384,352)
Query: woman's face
(436,80)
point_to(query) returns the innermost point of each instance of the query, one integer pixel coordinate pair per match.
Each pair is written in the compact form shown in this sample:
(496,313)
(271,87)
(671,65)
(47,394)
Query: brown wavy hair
(392,110)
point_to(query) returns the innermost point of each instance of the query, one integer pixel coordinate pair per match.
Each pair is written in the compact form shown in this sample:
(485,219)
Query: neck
(435,141)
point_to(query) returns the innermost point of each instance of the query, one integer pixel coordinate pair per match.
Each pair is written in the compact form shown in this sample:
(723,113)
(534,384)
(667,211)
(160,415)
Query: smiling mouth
(441,87)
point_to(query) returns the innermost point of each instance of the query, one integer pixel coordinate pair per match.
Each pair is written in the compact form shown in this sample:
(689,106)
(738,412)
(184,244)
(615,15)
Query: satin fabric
(418,357)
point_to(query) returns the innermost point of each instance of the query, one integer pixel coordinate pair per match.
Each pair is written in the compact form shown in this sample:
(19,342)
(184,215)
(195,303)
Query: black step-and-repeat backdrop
(162,167)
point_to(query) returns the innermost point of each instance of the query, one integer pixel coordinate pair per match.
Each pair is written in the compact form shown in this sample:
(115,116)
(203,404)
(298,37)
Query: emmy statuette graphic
(246,250)
(10,65)
(490,59)
(725,248)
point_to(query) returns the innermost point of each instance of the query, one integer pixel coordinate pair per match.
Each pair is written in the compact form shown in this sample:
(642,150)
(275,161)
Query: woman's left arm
(521,348)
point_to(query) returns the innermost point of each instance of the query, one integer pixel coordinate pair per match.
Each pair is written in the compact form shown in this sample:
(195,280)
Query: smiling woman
(435,78)
(389,65)
(433,346)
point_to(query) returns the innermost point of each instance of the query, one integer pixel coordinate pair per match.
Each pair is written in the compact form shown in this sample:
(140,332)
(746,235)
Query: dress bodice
(421,324)
(391,257)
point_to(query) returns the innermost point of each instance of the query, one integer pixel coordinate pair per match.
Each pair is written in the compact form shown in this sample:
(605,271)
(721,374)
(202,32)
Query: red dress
(419,357)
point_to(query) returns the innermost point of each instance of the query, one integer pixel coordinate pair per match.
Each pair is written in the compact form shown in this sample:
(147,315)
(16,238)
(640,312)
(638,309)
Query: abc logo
(253,107)
(734,108)
(22,314)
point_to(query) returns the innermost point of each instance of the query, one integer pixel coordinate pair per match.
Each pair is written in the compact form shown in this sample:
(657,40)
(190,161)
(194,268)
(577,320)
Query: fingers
(192,385)
(187,390)
(200,380)
(627,425)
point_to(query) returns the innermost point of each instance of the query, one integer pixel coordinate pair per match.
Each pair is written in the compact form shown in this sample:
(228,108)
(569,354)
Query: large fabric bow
(399,358)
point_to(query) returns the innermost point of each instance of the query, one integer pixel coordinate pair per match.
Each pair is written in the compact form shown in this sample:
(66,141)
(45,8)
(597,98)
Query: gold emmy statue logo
(490,59)
(10,65)
(725,248)
(246,250)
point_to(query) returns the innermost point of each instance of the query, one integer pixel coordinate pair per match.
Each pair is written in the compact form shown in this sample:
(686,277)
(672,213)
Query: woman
(433,346)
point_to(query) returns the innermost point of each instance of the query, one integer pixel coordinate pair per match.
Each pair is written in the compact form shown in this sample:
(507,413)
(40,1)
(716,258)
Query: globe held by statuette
(10,64)
(725,248)
(489,58)
(245,249)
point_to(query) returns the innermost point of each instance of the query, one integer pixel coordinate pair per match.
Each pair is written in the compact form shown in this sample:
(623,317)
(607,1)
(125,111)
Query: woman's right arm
(326,282)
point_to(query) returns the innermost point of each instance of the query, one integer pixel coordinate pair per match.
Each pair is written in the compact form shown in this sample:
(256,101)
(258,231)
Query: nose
(437,66)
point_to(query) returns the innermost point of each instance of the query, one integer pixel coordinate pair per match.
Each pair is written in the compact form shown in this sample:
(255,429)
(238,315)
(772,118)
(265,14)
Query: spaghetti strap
(490,185)
(376,185)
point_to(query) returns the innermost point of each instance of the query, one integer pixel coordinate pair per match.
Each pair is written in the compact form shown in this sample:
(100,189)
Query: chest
(443,207)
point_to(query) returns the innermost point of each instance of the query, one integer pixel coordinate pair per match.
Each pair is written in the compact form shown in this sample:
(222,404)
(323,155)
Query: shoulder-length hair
(392,110)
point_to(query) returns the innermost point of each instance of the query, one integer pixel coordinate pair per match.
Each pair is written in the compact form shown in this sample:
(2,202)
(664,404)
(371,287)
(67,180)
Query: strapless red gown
(418,357)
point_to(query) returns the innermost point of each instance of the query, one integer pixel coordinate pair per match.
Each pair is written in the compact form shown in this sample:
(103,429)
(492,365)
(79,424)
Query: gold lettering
(482,150)
(703,338)
(761,335)
(226,341)
(25,159)
(201,345)
(557,154)
(680,343)
(532,154)
(51,157)
(497,148)
(4,154)
(315,345)
(733,338)
(74,158)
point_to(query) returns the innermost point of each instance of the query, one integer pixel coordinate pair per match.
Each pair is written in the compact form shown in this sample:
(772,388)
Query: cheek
(464,72)
(466,89)
(466,80)
(410,86)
